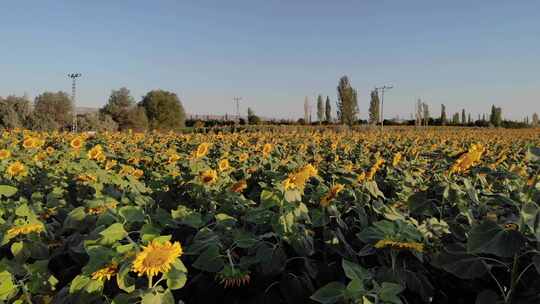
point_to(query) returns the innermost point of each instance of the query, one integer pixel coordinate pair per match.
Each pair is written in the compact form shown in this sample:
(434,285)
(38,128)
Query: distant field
(271,215)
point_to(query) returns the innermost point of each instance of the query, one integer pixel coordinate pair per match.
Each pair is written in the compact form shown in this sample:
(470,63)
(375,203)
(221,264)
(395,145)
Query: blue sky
(273,53)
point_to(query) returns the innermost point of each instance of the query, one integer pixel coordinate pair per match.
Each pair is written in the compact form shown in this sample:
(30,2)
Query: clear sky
(273,53)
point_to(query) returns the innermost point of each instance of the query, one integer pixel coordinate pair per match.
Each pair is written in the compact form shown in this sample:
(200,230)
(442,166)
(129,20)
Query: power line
(383,88)
(74,77)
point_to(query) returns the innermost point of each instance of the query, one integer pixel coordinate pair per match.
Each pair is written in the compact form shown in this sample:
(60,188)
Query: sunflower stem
(150,282)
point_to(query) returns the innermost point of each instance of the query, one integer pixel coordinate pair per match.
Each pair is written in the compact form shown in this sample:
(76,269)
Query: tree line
(157,110)
(348,111)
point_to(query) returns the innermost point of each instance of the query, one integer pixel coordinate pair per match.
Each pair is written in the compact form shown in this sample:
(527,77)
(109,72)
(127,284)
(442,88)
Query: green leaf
(176,277)
(490,238)
(7,191)
(389,292)
(455,260)
(113,233)
(7,287)
(331,293)
(124,280)
(209,260)
(79,283)
(533,154)
(75,218)
(132,214)
(354,271)
(487,296)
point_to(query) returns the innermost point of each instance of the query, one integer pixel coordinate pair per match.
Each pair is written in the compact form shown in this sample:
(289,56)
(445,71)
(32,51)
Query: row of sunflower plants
(447,216)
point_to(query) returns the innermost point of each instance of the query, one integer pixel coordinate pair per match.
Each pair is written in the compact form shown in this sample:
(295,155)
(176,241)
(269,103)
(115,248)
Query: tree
(535,120)
(328,110)
(306,110)
(469,120)
(463,117)
(163,110)
(96,122)
(14,112)
(252,118)
(374,108)
(496,116)
(443,115)
(455,119)
(136,119)
(347,102)
(425,110)
(119,103)
(320,109)
(56,107)
(419,112)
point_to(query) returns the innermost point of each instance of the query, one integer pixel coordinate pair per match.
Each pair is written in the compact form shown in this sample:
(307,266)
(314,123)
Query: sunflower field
(432,215)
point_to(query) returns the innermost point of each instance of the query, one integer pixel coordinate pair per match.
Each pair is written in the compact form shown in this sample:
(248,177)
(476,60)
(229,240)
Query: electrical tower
(382,89)
(237,100)
(74,77)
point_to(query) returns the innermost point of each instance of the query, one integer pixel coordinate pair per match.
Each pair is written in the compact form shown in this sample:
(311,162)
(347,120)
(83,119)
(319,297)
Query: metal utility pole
(74,77)
(237,100)
(382,89)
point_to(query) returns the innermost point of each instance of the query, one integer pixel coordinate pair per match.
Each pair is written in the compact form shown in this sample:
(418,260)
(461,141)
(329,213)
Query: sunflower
(4,154)
(30,143)
(267,149)
(223,165)
(397,245)
(243,157)
(202,150)
(76,143)
(17,169)
(105,273)
(208,176)
(95,152)
(332,194)
(137,173)
(396,160)
(110,164)
(156,258)
(24,229)
(49,150)
(239,186)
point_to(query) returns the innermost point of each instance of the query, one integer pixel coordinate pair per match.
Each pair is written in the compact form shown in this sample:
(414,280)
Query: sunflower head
(202,150)
(4,154)
(95,152)
(267,149)
(231,277)
(17,169)
(105,273)
(239,186)
(156,258)
(243,157)
(208,176)
(76,143)
(223,165)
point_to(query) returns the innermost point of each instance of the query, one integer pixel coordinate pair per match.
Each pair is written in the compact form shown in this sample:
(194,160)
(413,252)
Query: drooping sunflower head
(17,169)
(156,258)
(4,154)
(233,277)
(208,176)
(25,229)
(105,273)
